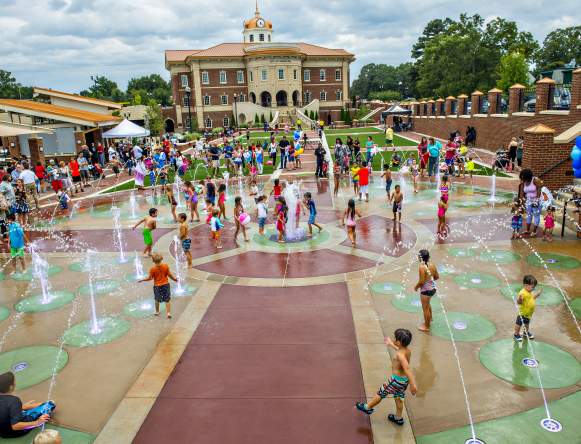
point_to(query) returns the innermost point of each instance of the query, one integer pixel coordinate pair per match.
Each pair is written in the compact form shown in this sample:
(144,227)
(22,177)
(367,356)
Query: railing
(558,164)
(325,144)
(528,100)
(561,97)
(274,119)
(305,118)
(371,114)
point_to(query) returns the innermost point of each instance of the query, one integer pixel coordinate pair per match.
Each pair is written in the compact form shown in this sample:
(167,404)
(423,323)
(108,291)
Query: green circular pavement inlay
(28,275)
(34,304)
(504,359)
(140,309)
(553,260)
(96,264)
(411,303)
(100,287)
(477,280)
(110,328)
(549,296)
(499,256)
(465,327)
(446,270)
(387,288)
(576,307)
(4,313)
(34,364)
(133,277)
(186,290)
(461,252)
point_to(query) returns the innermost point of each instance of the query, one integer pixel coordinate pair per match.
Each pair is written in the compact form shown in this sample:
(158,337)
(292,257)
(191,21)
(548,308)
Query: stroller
(501,160)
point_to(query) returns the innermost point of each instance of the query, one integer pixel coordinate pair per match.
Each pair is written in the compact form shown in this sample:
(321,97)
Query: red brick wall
(218,117)
(540,155)
(178,92)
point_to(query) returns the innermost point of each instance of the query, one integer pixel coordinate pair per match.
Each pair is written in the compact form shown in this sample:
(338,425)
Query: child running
(350,214)
(159,274)
(238,215)
(401,377)
(336,177)
(149,224)
(386,175)
(261,213)
(309,204)
(397,202)
(17,240)
(442,207)
(216,226)
(549,224)
(172,201)
(185,239)
(526,301)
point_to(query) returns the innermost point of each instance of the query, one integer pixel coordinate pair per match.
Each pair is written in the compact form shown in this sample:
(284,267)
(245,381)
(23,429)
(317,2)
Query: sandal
(391,417)
(361,407)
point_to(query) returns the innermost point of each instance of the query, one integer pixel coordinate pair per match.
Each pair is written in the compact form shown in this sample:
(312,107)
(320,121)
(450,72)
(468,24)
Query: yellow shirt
(389,134)
(355,173)
(470,165)
(527,306)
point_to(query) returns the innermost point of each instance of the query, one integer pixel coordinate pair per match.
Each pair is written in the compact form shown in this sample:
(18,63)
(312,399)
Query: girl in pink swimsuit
(442,207)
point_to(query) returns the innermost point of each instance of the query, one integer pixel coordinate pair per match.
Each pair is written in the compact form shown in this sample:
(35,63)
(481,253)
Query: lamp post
(189,96)
(235,111)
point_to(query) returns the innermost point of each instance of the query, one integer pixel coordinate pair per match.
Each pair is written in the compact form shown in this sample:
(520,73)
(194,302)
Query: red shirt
(363,176)
(74,166)
(39,171)
(277,190)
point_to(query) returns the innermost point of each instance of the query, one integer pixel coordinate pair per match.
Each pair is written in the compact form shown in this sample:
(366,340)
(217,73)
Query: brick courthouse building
(256,77)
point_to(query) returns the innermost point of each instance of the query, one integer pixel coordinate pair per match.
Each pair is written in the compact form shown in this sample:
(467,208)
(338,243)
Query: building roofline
(61,94)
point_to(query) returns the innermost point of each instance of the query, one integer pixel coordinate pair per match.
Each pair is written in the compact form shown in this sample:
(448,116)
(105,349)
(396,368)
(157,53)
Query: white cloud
(61,43)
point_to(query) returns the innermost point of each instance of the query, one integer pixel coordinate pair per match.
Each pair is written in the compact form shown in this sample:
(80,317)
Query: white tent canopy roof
(126,129)
(396,109)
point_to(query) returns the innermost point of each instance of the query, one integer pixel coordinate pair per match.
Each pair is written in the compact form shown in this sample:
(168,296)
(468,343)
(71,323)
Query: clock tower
(257,29)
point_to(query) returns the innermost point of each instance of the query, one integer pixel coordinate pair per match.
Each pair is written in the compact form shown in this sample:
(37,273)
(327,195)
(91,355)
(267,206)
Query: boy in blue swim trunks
(185,239)
(309,204)
(401,377)
(16,242)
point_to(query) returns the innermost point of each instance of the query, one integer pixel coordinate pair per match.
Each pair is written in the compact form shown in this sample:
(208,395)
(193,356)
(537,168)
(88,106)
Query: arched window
(323,96)
(208,122)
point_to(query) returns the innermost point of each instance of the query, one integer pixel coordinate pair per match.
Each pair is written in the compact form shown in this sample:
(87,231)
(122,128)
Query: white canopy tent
(396,109)
(126,129)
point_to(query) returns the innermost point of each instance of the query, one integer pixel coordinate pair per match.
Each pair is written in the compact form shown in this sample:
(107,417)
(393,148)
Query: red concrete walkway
(266,365)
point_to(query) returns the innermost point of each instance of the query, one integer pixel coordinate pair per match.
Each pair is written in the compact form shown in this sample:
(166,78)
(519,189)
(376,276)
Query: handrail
(305,118)
(274,119)
(548,170)
(372,113)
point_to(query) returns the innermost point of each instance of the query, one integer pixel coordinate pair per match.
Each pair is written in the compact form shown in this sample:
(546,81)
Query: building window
(337,74)
(240,76)
(226,122)
(261,37)
(269,37)
(224,99)
(186,101)
(242,98)
(322,75)
(251,38)
(307,75)
(281,74)
(251,76)
(307,97)
(295,75)
(184,80)
(323,96)
(264,75)
(205,77)
(222,77)
(338,95)
(206,100)
(208,122)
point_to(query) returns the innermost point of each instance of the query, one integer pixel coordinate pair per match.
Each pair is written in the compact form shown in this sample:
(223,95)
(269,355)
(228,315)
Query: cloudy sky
(61,43)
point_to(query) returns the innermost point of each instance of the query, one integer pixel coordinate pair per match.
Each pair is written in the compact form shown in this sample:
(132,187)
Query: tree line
(459,56)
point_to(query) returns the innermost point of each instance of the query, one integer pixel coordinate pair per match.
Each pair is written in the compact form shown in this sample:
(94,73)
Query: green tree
(105,89)
(386,96)
(375,78)
(270,117)
(154,118)
(513,69)
(559,47)
(362,112)
(256,119)
(262,119)
(11,89)
(154,86)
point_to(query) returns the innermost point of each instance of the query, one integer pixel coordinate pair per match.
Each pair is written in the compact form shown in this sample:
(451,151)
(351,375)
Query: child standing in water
(336,177)
(470,167)
(309,204)
(239,211)
(159,274)
(149,224)
(516,222)
(281,211)
(401,377)
(415,174)
(397,202)
(215,227)
(444,186)
(277,189)
(549,224)
(185,239)
(386,175)
(172,201)
(16,242)
(526,301)
(222,200)
(261,213)
(442,207)
(349,215)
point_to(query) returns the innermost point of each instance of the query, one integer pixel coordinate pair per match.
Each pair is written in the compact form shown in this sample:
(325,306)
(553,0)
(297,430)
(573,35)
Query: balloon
(297,135)
(578,142)
(299,151)
(269,162)
(244,218)
(576,153)
(577,173)
(577,163)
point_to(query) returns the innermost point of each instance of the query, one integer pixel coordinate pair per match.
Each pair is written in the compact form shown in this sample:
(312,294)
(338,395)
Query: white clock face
(260,23)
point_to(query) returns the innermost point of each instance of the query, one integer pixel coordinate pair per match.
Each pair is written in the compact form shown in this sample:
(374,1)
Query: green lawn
(378,138)
(366,129)
(200,174)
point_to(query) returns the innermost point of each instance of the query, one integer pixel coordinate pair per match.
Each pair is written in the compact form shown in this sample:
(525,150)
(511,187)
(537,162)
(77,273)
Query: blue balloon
(578,142)
(297,135)
(575,153)
(577,163)
(577,173)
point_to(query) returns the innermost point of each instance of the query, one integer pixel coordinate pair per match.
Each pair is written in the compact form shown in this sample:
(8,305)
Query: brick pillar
(494,100)
(80,140)
(439,110)
(538,147)
(36,150)
(448,105)
(431,107)
(544,90)
(415,109)
(477,99)
(515,98)
(461,105)
(14,147)
(576,90)
(423,111)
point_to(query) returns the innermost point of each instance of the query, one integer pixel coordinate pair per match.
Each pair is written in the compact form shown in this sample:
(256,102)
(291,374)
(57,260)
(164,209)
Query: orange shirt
(159,273)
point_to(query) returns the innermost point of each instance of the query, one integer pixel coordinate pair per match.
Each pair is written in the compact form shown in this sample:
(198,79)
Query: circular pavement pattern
(28,275)
(35,303)
(110,328)
(96,264)
(446,269)
(270,239)
(33,364)
(183,291)
(140,309)
(549,296)
(477,280)
(465,327)
(4,313)
(387,288)
(499,256)
(505,359)
(100,287)
(461,252)
(553,260)
(411,303)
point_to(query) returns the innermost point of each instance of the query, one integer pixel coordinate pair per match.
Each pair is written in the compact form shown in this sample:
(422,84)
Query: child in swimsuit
(222,200)
(442,207)
(415,174)
(149,224)
(549,224)
(444,187)
(397,202)
(281,210)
